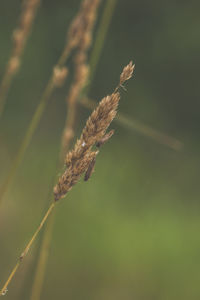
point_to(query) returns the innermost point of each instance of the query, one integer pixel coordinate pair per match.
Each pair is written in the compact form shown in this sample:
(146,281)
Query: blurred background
(132,231)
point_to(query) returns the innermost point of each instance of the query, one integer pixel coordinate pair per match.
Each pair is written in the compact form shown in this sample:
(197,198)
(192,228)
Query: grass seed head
(82,159)
(127,73)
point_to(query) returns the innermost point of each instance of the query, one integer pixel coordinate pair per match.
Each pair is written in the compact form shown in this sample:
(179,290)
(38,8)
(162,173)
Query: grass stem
(27,248)
(42,260)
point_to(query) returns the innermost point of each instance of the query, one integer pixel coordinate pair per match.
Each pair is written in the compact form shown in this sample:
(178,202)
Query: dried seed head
(127,73)
(82,159)
(21,33)
(59,75)
(99,120)
(82,23)
(26,19)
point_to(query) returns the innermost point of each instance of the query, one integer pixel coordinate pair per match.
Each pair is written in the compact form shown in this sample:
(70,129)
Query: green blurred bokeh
(132,231)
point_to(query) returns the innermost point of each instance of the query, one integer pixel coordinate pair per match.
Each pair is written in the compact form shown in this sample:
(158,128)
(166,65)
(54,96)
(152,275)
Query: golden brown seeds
(99,120)
(72,175)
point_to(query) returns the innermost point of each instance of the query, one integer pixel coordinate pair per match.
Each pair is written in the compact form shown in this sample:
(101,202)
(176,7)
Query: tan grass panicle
(79,159)
(83,20)
(21,33)
(19,37)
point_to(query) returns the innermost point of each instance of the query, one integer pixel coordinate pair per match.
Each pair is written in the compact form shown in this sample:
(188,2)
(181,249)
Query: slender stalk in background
(79,160)
(58,75)
(20,35)
(139,127)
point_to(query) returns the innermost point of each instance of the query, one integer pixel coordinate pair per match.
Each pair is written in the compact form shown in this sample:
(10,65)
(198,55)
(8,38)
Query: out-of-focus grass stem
(20,35)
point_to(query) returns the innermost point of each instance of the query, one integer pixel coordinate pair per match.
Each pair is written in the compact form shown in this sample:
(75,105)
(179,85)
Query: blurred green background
(132,231)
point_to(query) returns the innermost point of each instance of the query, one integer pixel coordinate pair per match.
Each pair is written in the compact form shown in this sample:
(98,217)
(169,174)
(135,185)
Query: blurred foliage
(132,231)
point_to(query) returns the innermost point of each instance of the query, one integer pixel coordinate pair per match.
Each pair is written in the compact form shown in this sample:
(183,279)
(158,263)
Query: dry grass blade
(78,160)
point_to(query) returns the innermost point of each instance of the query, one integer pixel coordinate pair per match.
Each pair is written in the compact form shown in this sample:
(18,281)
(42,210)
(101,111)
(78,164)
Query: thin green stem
(27,248)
